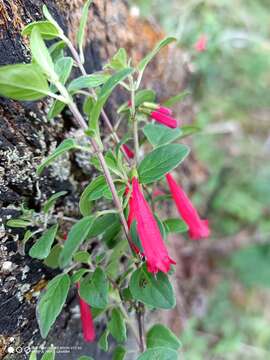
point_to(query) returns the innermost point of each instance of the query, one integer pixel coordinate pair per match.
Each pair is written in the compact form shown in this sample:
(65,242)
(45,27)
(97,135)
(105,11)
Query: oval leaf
(23,82)
(92,192)
(63,68)
(56,109)
(94,289)
(41,249)
(117,326)
(52,200)
(161,336)
(161,161)
(154,291)
(159,353)
(47,30)
(76,236)
(51,302)
(41,54)
(159,135)
(49,354)
(88,81)
(105,92)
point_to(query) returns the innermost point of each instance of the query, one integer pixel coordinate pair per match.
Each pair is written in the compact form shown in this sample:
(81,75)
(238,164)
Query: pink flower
(197,228)
(164,110)
(88,326)
(164,119)
(128,151)
(201,44)
(155,252)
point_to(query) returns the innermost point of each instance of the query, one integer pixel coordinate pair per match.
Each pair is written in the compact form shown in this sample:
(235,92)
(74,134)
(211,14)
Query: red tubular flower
(200,45)
(88,326)
(128,151)
(164,110)
(164,119)
(155,252)
(198,228)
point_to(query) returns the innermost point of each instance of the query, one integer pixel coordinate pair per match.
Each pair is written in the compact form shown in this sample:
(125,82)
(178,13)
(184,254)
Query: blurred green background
(230,83)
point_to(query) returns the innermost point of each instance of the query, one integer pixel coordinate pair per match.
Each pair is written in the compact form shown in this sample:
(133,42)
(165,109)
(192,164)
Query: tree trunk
(26,138)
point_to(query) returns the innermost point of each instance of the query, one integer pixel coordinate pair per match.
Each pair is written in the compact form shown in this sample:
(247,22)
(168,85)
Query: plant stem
(103,113)
(81,122)
(134,121)
(132,328)
(140,318)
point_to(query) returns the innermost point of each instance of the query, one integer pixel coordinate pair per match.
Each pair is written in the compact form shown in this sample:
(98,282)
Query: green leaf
(175,225)
(82,257)
(41,54)
(111,162)
(47,30)
(78,274)
(140,97)
(76,236)
(94,289)
(144,95)
(27,235)
(66,145)
(117,326)
(56,109)
(119,60)
(52,260)
(88,105)
(23,82)
(105,92)
(175,99)
(103,341)
(63,67)
(102,223)
(33,355)
(119,353)
(56,50)
(51,302)
(159,353)
(159,135)
(161,161)
(160,335)
(154,291)
(52,200)
(85,358)
(92,192)
(49,17)
(114,260)
(18,223)
(41,248)
(49,354)
(81,31)
(88,81)
(145,61)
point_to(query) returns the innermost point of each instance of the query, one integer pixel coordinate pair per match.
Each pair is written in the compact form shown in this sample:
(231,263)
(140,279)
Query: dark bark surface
(26,137)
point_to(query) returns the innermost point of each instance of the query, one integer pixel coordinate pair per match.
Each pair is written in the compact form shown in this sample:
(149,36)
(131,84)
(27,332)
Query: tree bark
(26,138)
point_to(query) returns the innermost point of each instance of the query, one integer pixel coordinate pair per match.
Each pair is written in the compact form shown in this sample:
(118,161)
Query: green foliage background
(230,85)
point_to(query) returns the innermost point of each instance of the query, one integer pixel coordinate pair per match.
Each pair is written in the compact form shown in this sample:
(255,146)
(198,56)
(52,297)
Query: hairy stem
(81,122)
(134,121)
(140,321)
(103,113)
